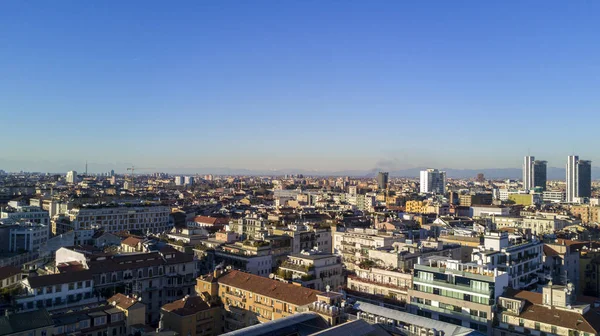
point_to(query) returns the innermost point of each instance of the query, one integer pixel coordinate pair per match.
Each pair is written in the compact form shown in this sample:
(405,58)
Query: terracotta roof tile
(185,307)
(122,301)
(270,288)
(131,241)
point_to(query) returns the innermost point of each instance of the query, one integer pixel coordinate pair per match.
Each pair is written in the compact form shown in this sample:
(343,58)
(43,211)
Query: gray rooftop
(448,328)
(302,324)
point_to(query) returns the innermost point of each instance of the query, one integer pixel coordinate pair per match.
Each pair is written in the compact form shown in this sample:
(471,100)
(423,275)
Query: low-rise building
(380,286)
(195,316)
(249,299)
(57,291)
(33,323)
(552,312)
(10,276)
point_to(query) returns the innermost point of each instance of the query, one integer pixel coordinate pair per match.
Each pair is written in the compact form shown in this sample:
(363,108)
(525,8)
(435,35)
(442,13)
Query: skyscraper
(528,173)
(540,174)
(71,176)
(579,178)
(433,181)
(382,180)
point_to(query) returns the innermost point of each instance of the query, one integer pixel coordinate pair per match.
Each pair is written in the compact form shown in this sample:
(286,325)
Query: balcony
(455,314)
(235,296)
(376,283)
(445,284)
(296,267)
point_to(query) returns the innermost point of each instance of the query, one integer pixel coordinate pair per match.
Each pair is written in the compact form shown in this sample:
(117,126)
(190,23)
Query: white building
(27,236)
(520,257)
(528,183)
(554,196)
(152,218)
(57,291)
(179,180)
(489,210)
(16,211)
(433,181)
(189,180)
(72,176)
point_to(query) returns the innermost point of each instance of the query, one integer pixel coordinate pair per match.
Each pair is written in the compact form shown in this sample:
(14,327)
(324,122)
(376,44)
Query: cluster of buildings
(109,254)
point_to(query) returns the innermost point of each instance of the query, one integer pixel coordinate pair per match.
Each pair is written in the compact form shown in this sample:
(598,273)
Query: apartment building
(459,293)
(56,291)
(10,276)
(377,286)
(250,299)
(312,269)
(17,211)
(552,312)
(133,309)
(519,256)
(114,218)
(23,236)
(250,256)
(195,316)
(34,323)
(560,261)
(548,223)
(354,244)
(155,277)
(250,227)
(306,237)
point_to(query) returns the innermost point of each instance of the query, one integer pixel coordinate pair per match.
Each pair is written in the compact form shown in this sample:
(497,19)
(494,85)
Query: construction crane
(131,180)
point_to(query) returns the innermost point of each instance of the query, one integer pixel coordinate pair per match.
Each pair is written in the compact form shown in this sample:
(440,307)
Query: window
(100,320)
(537,326)
(79,285)
(49,289)
(88,284)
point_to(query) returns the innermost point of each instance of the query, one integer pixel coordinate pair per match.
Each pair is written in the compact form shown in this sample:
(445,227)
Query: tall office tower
(540,174)
(528,173)
(579,178)
(179,180)
(189,180)
(72,176)
(584,187)
(433,181)
(382,180)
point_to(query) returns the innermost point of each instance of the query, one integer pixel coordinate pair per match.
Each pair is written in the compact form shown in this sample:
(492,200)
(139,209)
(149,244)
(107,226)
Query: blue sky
(297,84)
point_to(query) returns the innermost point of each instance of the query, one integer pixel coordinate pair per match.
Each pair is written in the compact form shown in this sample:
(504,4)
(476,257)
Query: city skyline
(303,85)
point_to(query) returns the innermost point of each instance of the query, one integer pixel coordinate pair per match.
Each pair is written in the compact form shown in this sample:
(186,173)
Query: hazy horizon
(297,85)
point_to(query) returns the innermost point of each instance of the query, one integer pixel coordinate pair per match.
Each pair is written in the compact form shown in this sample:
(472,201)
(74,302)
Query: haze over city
(307,85)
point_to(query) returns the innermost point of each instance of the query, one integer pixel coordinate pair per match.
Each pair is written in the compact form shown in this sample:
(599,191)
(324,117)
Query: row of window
(58,288)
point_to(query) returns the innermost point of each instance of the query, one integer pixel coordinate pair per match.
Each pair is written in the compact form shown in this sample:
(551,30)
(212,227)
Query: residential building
(306,237)
(249,299)
(133,309)
(250,256)
(380,286)
(34,323)
(587,213)
(16,212)
(155,277)
(489,210)
(433,181)
(56,291)
(179,180)
(547,223)
(103,319)
(353,245)
(209,222)
(554,196)
(476,199)
(552,312)
(518,256)
(250,227)
(314,270)
(459,293)
(579,178)
(195,316)
(10,276)
(26,236)
(115,218)
(561,262)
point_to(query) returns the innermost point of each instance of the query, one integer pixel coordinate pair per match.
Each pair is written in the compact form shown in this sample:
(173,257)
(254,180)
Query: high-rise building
(480,178)
(528,173)
(433,181)
(539,174)
(72,176)
(382,180)
(179,180)
(189,180)
(579,178)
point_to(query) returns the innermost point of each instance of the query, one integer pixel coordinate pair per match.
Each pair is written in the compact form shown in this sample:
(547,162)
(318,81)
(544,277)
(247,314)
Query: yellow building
(521,199)
(587,214)
(249,299)
(194,316)
(416,206)
(134,311)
